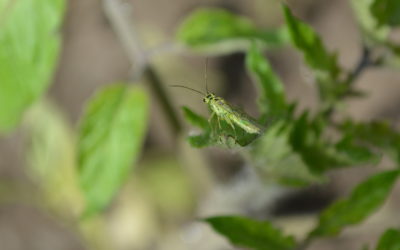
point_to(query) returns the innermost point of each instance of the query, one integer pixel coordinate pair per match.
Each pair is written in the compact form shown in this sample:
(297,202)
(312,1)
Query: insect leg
(219,123)
(212,115)
(229,121)
(211,124)
(219,126)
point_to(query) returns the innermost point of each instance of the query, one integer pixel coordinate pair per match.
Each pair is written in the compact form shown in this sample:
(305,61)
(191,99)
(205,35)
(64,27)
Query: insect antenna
(195,90)
(205,75)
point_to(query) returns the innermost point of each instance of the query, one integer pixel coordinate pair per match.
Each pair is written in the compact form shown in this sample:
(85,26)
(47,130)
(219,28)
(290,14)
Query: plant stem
(120,16)
(156,85)
(363,63)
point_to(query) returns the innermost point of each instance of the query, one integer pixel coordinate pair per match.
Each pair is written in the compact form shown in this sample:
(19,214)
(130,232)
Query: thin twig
(364,62)
(120,15)
(156,85)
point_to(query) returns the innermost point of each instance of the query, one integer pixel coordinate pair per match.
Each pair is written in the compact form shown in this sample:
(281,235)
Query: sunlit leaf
(217,27)
(245,232)
(364,200)
(110,139)
(371,33)
(29,46)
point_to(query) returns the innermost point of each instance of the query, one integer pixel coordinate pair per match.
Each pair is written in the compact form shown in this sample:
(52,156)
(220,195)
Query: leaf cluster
(299,146)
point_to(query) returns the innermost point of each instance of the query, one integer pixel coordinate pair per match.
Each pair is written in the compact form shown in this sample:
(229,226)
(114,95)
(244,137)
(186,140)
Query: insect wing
(241,119)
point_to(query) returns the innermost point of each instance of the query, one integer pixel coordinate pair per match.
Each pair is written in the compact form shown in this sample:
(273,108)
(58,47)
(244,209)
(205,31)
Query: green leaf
(246,232)
(319,153)
(29,47)
(195,119)
(307,40)
(271,91)
(305,139)
(364,200)
(390,240)
(203,139)
(217,27)
(372,34)
(110,139)
(386,12)
(377,134)
(275,159)
(353,153)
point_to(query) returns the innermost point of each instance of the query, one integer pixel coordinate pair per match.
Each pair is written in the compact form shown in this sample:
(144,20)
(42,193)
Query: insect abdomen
(245,124)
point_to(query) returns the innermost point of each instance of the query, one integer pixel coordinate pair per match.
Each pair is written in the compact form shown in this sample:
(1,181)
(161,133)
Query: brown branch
(120,15)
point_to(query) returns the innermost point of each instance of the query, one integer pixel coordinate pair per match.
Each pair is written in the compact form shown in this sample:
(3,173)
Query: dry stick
(120,15)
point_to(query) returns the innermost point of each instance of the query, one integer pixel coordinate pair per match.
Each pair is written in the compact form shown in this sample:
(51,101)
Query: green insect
(225,111)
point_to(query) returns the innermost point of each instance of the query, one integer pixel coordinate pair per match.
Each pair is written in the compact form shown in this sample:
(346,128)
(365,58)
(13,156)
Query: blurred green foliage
(371,32)
(220,31)
(386,12)
(365,199)
(52,158)
(271,100)
(29,48)
(274,158)
(309,43)
(298,147)
(390,240)
(245,232)
(111,135)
